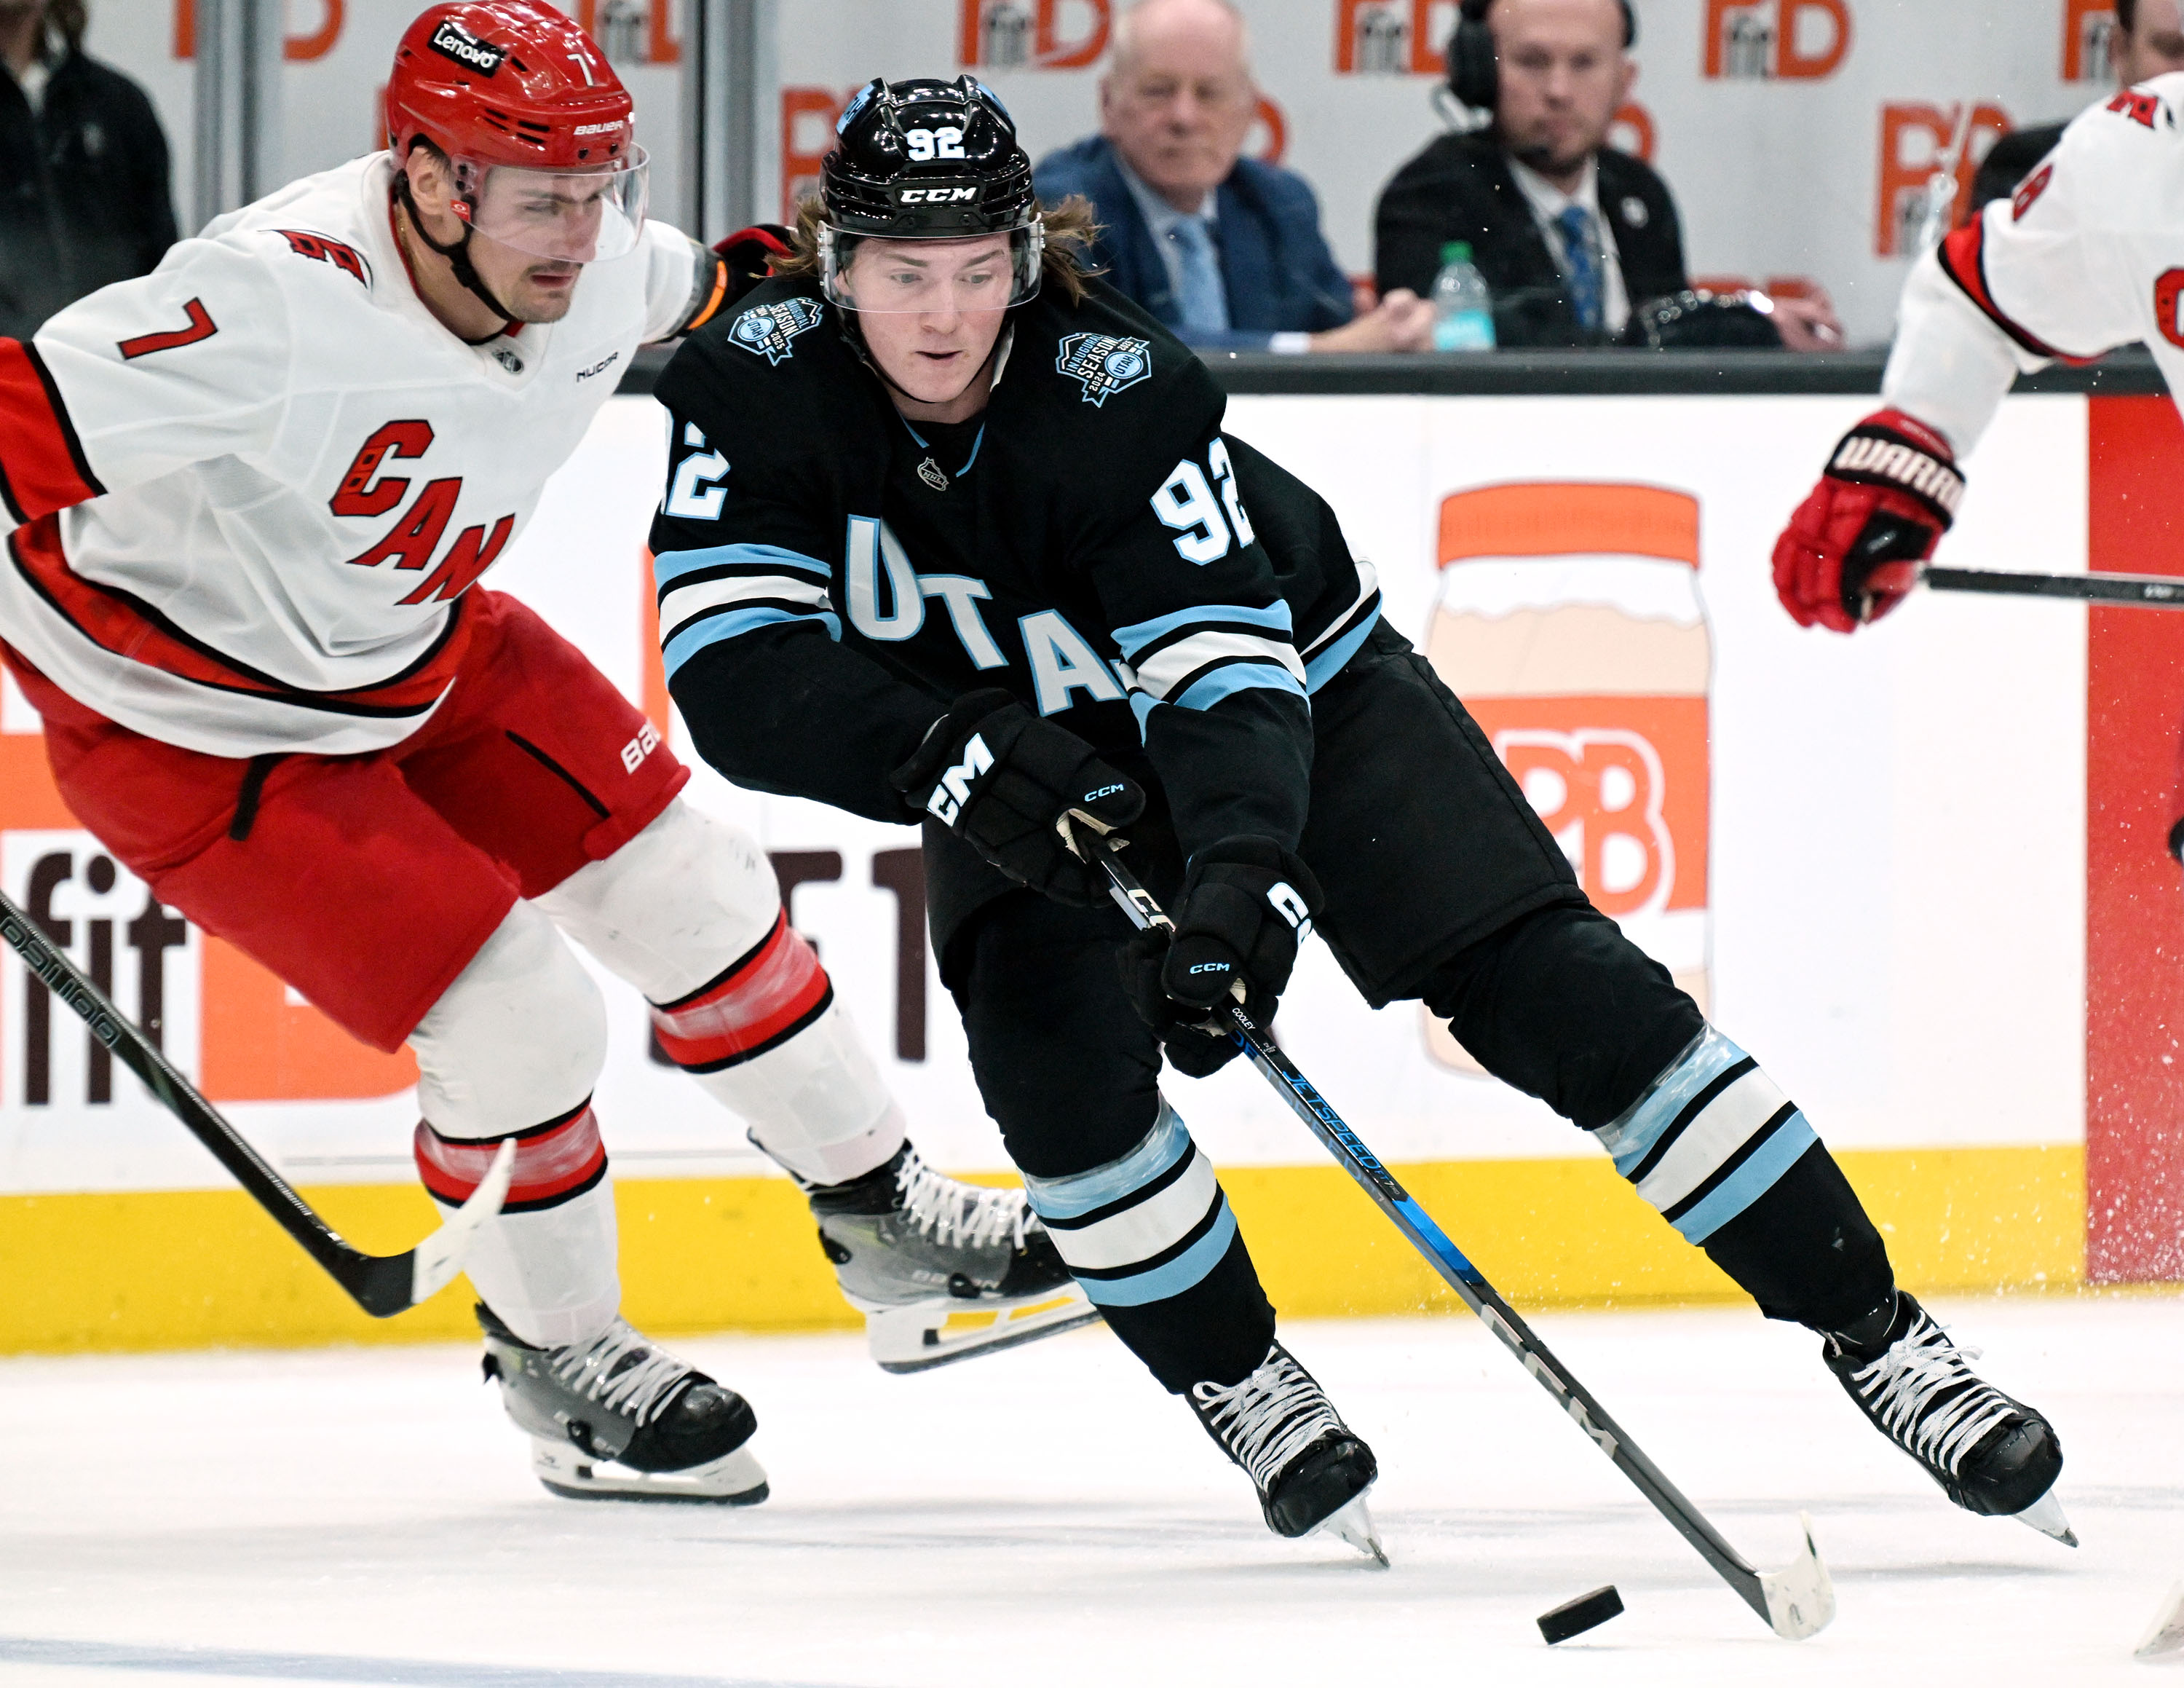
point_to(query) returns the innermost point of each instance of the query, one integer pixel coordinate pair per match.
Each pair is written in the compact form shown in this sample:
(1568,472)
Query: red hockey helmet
(538,128)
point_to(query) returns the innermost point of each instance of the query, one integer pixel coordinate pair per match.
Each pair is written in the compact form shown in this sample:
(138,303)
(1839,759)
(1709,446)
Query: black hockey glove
(1246,904)
(1007,782)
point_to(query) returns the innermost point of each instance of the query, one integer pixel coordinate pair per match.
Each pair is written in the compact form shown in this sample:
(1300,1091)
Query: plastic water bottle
(1463,309)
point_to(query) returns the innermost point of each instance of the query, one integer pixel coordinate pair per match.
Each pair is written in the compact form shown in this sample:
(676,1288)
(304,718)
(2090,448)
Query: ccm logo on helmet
(452,40)
(949,796)
(1290,906)
(935,196)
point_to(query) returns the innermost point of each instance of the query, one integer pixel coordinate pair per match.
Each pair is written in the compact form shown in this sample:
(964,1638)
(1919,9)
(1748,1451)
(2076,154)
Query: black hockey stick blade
(2146,591)
(1796,1601)
(381,1284)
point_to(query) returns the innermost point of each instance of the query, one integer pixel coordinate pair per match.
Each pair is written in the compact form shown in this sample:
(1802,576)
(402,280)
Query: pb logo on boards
(1032,35)
(1570,623)
(1915,140)
(1792,40)
(2088,27)
(1392,37)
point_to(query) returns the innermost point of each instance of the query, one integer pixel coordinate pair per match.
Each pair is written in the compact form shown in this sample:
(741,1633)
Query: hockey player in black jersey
(952,533)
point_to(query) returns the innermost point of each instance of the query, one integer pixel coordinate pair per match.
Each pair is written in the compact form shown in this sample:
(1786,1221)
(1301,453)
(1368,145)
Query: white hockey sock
(762,1034)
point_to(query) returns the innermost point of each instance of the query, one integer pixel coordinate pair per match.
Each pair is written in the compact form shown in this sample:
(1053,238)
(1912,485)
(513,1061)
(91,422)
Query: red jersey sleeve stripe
(1964,260)
(42,467)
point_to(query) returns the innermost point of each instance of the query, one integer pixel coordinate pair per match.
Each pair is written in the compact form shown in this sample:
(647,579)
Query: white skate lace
(638,1389)
(957,1213)
(1900,1389)
(1269,1418)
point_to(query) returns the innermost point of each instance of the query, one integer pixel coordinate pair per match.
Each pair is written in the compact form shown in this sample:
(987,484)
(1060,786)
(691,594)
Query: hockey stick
(2148,591)
(381,1284)
(1795,1602)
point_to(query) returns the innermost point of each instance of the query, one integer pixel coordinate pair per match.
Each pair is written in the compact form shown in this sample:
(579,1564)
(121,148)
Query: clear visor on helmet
(936,278)
(586,216)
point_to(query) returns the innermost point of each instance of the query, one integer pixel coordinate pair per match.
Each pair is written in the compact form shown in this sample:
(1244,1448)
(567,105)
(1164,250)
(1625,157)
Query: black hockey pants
(1440,885)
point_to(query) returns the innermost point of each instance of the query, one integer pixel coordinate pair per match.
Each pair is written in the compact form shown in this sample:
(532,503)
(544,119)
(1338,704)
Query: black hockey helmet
(923,160)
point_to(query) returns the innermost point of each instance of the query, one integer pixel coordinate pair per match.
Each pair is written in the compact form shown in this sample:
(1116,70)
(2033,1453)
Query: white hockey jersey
(252,487)
(2087,255)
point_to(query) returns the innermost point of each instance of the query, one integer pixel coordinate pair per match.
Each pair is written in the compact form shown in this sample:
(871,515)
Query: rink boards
(1889,862)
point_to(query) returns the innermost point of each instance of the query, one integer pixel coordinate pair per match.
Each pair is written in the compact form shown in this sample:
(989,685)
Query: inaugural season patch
(767,329)
(1104,363)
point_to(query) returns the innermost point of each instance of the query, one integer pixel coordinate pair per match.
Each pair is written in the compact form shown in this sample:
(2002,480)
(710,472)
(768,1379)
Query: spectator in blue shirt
(1227,251)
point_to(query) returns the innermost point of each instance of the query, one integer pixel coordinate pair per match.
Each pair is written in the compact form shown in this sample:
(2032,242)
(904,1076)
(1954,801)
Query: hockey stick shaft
(2146,592)
(381,1284)
(1457,1270)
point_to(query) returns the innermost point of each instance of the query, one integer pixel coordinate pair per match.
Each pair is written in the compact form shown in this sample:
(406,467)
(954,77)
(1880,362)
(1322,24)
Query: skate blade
(1800,1597)
(2046,1516)
(2166,1635)
(1353,1523)
(734,1479)
(940,1332)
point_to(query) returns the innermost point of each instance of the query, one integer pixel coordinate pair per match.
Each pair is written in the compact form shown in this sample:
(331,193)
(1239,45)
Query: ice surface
(1049,1517)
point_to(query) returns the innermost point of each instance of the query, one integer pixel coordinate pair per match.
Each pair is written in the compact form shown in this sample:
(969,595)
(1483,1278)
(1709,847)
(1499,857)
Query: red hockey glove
(749,254)
(1853,550)
(1246,904)
(1007,783)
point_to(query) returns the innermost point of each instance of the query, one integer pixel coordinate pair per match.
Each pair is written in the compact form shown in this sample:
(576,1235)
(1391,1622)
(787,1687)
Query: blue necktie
(1580,257)
(1204,300)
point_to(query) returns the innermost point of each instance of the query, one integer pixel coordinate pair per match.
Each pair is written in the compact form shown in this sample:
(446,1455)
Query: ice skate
(1990,1455)
(943,1270)
(619,1417)
(1310,1470)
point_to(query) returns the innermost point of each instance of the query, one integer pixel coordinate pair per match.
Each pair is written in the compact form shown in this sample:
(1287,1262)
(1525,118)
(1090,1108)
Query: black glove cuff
(1873,454)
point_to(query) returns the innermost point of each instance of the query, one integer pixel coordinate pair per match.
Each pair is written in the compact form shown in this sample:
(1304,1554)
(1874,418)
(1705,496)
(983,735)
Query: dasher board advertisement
(1867,856)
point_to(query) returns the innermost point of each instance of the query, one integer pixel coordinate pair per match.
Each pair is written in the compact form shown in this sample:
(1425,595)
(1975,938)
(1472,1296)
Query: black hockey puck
(1575,1617)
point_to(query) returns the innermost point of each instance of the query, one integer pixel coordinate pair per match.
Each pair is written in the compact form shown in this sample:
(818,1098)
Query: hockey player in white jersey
(2088,255)
(2083,259)
(250,496)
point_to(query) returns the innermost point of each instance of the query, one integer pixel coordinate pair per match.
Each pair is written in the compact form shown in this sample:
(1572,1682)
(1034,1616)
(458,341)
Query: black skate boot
(620,1417)
(1990,1455)
(942,1270)
(1311,1471)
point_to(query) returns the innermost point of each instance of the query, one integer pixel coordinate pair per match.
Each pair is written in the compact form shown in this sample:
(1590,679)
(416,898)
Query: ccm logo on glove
(1010,785)
(1291,907)
(954,790)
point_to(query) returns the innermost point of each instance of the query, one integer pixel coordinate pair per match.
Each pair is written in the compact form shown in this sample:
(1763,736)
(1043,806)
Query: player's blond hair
(1069,227)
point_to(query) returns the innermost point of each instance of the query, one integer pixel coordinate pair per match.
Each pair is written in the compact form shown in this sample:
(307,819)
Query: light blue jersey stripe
(1079,1193)
(1629,1138)
(1235,677)
(1323,666)
(713,629)
(1135,637)
(673,565)
(1751,1181)
(1179,1274)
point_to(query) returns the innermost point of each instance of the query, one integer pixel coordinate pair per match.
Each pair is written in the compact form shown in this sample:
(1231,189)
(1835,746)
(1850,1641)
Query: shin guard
(546,1267)
(1711,1135)
(1150,1239)
(766,1037)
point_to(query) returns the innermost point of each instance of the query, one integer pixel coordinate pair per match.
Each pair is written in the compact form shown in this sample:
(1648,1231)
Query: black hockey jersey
(832,576)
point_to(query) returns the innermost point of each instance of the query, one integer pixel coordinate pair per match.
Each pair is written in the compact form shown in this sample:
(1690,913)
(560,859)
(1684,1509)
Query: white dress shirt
(1549,202)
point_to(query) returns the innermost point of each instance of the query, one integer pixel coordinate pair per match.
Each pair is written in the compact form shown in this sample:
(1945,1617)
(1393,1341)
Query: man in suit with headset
(1225,250)
(1570,234)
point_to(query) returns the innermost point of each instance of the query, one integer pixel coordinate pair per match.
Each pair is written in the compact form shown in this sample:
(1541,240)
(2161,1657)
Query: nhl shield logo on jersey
(767,329)
(1104,363)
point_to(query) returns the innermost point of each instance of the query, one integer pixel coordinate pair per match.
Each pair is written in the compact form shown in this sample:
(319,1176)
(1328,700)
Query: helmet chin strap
(457,253)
